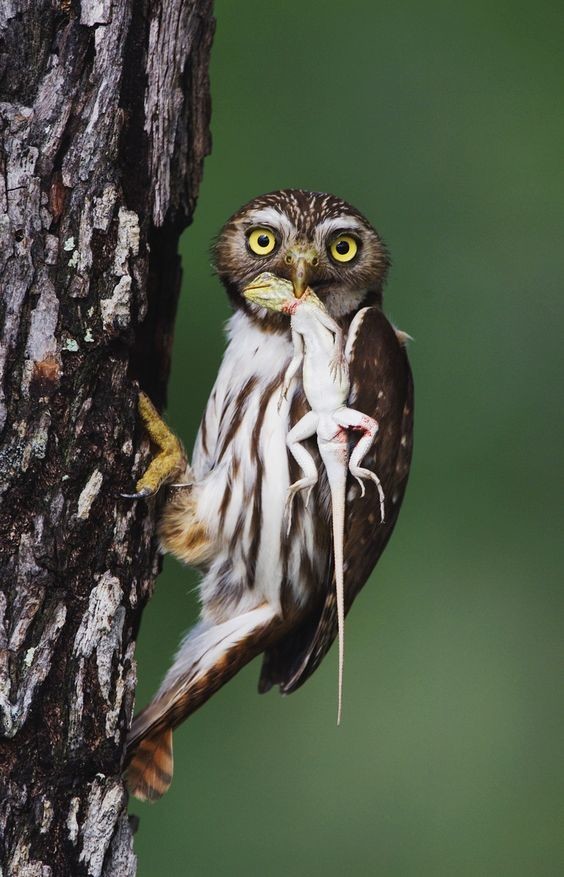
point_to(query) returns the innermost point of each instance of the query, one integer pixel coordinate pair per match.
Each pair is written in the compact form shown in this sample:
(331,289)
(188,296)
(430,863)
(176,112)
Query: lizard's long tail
(209,656)
(337,477)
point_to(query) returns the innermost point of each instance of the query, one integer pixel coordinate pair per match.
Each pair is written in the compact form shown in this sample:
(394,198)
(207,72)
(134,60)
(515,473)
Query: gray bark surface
(103,128)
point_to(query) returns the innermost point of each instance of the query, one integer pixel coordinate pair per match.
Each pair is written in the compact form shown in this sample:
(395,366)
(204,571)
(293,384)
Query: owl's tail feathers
(209,656)
(149,773)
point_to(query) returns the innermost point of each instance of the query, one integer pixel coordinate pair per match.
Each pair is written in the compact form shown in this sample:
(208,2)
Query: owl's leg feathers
(169,462)
(305,428)
(182,531)
(210,655)
(351,419)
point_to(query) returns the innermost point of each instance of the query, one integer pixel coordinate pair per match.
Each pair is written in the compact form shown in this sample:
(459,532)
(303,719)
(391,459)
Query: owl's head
(310,238)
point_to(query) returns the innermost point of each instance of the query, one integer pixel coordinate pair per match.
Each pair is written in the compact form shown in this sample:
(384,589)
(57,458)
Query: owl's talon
(140,494)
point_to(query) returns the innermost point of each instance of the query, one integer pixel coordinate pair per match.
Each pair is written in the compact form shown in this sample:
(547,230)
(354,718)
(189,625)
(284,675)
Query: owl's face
(310,238)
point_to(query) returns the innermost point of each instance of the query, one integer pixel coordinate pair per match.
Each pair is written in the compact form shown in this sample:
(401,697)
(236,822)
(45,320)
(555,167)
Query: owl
(264,589)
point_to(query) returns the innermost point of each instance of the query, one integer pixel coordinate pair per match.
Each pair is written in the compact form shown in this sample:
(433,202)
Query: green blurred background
(443,123)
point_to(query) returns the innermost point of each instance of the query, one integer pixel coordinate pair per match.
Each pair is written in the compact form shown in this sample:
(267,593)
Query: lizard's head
(272,292)
(277,294)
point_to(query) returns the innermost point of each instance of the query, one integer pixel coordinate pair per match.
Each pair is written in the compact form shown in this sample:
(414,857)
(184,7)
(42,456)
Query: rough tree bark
(104,126)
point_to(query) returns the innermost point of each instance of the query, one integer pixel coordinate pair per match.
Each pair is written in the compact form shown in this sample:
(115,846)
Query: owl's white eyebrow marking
(272,217)
(340,223)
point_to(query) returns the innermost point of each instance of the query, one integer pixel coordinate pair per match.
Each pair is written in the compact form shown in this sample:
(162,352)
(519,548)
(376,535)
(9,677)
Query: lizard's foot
(362,475)
(303,484)
(337,367)
(170,461)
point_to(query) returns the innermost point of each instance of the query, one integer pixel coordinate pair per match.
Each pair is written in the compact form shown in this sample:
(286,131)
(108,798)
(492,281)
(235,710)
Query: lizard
(321,352)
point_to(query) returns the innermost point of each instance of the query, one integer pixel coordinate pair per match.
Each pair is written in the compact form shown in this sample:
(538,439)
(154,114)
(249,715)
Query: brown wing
(382,387)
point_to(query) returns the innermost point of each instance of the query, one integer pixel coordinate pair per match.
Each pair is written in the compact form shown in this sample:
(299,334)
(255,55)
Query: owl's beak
(300,276)
(301,262)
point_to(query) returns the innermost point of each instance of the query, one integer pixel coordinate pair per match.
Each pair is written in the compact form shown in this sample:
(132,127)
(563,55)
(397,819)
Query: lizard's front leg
(338,362)
(355,420)
(305,428)
(294,366)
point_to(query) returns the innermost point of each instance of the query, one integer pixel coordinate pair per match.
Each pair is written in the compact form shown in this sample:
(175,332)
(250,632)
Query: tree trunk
(104,128)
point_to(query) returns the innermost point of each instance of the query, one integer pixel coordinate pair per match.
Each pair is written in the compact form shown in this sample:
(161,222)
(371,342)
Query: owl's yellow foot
(170,461)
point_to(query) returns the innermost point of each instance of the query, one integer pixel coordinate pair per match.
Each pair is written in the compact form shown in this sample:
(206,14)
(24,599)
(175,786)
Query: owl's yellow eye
(261,241)
(344,248)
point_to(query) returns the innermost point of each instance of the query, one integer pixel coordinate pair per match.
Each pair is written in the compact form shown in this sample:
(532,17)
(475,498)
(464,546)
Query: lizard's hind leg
(355,420)
(305,428)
